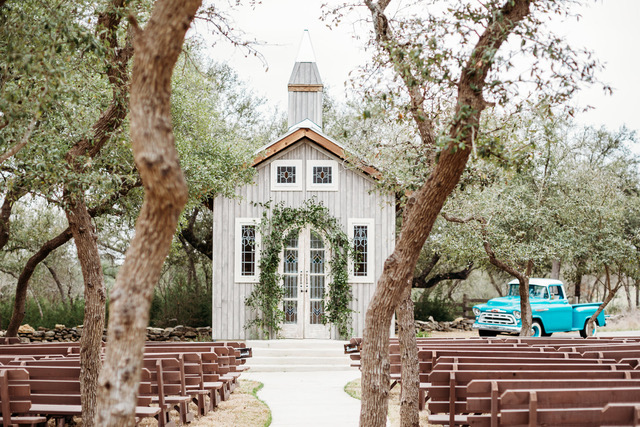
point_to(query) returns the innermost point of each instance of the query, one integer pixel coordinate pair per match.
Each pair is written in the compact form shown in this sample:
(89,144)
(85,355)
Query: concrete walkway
(308,399)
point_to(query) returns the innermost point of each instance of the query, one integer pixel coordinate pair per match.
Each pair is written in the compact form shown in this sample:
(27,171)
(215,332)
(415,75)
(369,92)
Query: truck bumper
(497,328)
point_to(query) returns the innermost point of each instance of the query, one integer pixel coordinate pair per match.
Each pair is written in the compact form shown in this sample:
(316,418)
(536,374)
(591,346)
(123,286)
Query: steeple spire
(305,86)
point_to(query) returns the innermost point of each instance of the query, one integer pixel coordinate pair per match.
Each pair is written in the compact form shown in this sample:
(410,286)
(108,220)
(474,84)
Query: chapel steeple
(305,87)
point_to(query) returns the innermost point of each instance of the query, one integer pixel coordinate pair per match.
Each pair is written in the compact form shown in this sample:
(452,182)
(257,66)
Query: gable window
(286,175)
(247,246)
(361,234)
(322,175)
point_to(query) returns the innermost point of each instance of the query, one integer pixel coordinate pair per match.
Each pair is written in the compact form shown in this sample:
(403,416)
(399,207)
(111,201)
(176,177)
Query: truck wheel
(536,329)
(594,331)
(485,333)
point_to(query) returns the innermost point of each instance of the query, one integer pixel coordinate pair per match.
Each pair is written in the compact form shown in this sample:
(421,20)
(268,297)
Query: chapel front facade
(302,166)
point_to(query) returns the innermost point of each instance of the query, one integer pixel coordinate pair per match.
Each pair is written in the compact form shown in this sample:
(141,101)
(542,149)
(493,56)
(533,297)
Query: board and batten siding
(356,197)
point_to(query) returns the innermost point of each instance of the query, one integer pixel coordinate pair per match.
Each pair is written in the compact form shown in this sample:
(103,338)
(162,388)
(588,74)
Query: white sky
(610,28)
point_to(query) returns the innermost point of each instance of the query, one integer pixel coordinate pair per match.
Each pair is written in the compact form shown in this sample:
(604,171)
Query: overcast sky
(610,28)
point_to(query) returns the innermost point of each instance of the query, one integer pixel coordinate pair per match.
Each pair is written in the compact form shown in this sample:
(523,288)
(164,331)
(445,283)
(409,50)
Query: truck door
(560,311)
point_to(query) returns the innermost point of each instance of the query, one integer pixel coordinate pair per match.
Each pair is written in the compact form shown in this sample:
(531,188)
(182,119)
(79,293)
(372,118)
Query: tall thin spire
(305,86)
(305,52)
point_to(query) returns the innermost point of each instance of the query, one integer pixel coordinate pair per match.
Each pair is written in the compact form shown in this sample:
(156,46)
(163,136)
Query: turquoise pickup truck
(550,310)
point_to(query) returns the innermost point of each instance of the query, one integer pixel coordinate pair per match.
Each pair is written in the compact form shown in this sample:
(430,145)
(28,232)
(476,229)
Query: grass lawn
(353,390)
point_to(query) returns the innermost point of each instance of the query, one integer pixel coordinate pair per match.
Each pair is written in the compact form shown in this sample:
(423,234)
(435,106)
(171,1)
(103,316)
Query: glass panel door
(304,279)
(292,280)
(316,288)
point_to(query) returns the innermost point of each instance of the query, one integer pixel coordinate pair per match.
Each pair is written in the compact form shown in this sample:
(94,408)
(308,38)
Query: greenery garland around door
(276,223)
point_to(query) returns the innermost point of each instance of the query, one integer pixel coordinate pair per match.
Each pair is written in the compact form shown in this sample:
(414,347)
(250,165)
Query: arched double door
(304,270)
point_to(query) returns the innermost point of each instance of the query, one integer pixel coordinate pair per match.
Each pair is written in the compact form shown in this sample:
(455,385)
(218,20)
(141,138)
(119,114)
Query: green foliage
(53,313)
(183,295)
(277,222)
(434,305)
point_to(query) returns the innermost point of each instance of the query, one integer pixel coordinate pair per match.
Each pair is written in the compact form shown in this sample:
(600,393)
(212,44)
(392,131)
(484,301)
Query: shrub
(436,306)
(53,312)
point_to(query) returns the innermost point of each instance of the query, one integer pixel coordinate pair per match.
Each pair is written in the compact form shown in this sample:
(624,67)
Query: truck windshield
(535,291)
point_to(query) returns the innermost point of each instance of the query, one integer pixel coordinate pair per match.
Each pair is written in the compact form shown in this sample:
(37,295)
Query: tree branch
(451,275)
(23,142)
(17,191)
(468,219)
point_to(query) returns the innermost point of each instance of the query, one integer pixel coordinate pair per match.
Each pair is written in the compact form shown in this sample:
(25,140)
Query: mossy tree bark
(409,395)
(156,48)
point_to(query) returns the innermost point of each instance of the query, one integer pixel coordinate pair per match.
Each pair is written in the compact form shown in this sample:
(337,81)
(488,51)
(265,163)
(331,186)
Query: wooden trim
(315,137)
(305,88)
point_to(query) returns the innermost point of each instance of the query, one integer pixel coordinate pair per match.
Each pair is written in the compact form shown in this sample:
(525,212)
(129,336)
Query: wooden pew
(15,399)
(483,396)
(562,406)
(55,390)
(621,414)
(448,390)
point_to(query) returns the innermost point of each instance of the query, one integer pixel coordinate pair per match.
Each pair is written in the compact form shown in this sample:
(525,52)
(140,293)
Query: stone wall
(459,324)
(62,333)
(187,333)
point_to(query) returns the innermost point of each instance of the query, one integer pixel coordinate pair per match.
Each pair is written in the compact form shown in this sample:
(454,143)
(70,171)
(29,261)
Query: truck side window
(556,292)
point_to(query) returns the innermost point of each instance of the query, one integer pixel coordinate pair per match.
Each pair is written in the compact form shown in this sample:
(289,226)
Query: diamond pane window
(286,175)
(290,309)
(361,246)
(248,250)
(317,312)
(322,174)
(290,261)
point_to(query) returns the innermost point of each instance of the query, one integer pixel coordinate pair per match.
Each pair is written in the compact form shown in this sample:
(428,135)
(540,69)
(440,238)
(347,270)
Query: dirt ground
(242,409)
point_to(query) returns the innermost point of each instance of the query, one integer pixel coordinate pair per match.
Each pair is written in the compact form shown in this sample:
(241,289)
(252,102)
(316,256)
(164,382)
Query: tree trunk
(409,395)
(577,288)
(627,291)
(156,51)
(63,296)
(35,299)
(602,306)
(23,280)
(17,191)
(95,299)
(525,307)
(497,286)
(399,267)
(610,294)
(555,269)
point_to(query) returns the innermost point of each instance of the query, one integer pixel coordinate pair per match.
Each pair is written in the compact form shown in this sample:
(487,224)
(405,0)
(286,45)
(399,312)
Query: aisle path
(308,399)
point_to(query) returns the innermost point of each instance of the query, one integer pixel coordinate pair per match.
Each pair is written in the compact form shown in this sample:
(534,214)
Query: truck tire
(536,329)
(583,331)
(485,333)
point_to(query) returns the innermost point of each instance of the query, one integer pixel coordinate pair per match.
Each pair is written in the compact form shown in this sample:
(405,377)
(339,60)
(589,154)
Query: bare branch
(23,142)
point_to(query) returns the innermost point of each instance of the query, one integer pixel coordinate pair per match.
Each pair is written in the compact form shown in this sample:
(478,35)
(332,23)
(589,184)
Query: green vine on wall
(268,293)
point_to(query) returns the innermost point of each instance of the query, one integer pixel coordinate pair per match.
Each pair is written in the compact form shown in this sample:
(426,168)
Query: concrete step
(297,360)
(311,343)
(301,368)
(296,352)
(298,356)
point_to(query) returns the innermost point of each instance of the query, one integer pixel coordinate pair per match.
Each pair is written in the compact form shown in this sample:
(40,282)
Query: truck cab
(550,309)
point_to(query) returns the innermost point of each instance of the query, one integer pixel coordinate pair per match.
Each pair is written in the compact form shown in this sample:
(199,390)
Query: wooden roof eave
(317,138)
